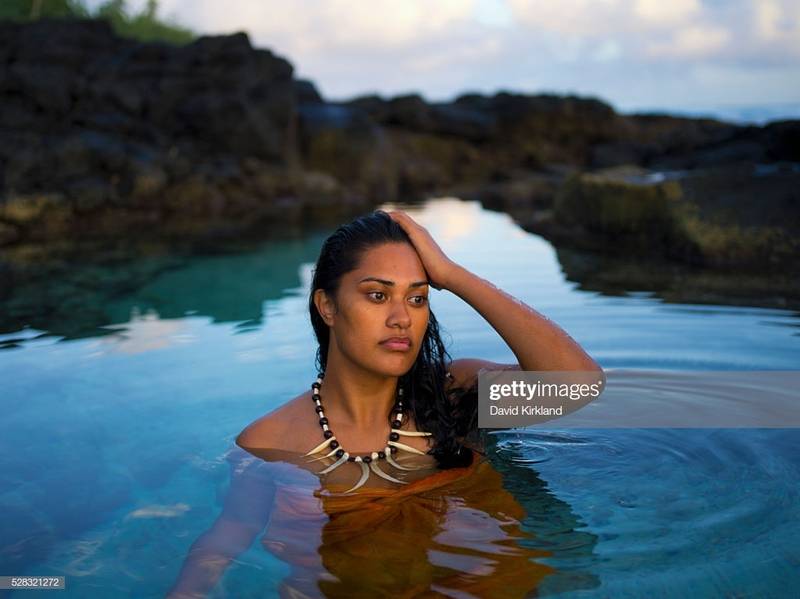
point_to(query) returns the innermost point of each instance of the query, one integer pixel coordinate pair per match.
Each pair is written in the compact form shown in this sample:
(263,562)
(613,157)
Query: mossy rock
(338,152)
(25,209)
(731,246)
(656,220)
(617,207)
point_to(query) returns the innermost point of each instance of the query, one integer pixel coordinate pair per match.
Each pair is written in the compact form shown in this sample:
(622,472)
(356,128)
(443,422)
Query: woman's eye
(379,296)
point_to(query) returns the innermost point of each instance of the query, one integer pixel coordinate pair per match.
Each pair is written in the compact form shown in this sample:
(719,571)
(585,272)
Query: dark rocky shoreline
(102,137)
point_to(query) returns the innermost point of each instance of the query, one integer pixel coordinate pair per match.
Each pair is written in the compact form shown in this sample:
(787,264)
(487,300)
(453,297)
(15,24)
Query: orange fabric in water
(454,533)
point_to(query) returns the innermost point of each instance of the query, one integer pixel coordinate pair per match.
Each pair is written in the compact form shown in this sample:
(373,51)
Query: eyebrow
(391,283)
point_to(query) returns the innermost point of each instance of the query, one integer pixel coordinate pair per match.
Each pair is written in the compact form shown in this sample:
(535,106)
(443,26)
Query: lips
(397,343)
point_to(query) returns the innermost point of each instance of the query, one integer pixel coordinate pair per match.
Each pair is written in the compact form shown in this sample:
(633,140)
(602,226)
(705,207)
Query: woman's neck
(356,397)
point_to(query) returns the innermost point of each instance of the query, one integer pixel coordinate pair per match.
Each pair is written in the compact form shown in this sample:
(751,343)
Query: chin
(397,371)
(395,367)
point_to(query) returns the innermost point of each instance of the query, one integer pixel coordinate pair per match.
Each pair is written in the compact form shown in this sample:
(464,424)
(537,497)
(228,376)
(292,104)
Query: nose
(399,315)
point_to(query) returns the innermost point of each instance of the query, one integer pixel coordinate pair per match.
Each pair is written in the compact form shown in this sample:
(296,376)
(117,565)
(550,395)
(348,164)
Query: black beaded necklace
(370,461)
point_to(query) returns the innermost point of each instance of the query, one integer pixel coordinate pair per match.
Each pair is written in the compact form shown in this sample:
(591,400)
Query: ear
(325,306)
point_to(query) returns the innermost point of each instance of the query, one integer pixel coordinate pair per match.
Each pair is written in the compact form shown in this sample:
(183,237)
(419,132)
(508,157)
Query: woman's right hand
(436,263)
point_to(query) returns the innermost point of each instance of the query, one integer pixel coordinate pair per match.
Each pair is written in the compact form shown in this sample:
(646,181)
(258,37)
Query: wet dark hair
(448,416)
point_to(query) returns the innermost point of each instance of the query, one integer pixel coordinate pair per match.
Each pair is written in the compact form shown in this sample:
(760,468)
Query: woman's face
(381,310)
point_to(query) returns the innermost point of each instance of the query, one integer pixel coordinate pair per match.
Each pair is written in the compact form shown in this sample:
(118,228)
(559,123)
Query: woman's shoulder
(280,429)
(462,373)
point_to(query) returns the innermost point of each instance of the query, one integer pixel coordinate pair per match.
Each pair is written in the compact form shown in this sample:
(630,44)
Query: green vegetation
(657,219)
(30,10)
(144,26)
(614,207)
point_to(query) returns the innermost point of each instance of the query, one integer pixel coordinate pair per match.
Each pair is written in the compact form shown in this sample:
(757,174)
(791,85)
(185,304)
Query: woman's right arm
(245,514)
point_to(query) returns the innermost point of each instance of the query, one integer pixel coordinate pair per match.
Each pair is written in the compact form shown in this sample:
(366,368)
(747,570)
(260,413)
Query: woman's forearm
(537,342)
(200,572)
(208,558)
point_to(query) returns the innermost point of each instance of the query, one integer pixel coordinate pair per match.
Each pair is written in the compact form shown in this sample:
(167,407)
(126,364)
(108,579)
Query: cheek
(356,325)
(421,322)
(359,317)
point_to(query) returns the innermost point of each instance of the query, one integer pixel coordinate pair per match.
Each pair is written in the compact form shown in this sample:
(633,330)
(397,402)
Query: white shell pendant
(327,455)
(405,447)
(336,464)
(392,461)
(382,474)
(364,476)
(321,446)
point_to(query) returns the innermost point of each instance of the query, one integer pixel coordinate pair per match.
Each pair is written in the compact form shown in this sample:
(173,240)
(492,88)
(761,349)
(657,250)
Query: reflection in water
(74,292)
(552,520)
(457,532)
(142,333)
(678,283)
(134,421)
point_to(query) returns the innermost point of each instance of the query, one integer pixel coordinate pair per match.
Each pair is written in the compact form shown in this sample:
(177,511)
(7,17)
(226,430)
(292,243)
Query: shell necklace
(370,461)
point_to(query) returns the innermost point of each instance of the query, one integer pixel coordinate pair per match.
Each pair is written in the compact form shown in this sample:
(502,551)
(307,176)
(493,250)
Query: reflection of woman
(388,421)
(455,531)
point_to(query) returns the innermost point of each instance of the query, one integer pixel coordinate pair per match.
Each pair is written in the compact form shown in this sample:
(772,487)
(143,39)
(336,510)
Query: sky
(722,57)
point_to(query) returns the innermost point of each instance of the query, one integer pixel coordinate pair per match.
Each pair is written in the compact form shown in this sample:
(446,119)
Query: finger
(405,219)
(398,218)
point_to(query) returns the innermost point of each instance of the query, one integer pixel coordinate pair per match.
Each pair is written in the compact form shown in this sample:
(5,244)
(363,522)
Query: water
(122,399)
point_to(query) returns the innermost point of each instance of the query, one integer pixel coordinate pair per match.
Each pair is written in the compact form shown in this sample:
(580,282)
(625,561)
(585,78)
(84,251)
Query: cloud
(778,22)
(691,42)
(672,13)
(317,24)
(648,29)
(776,30)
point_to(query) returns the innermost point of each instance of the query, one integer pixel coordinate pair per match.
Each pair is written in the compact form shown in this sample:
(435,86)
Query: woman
(378,337)
(388,426)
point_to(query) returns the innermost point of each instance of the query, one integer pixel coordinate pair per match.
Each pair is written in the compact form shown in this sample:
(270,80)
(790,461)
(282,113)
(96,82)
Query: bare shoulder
(464,371)
(280,429)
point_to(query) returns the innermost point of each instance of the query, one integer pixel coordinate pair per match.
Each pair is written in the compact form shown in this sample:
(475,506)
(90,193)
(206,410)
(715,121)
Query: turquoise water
(119,408)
